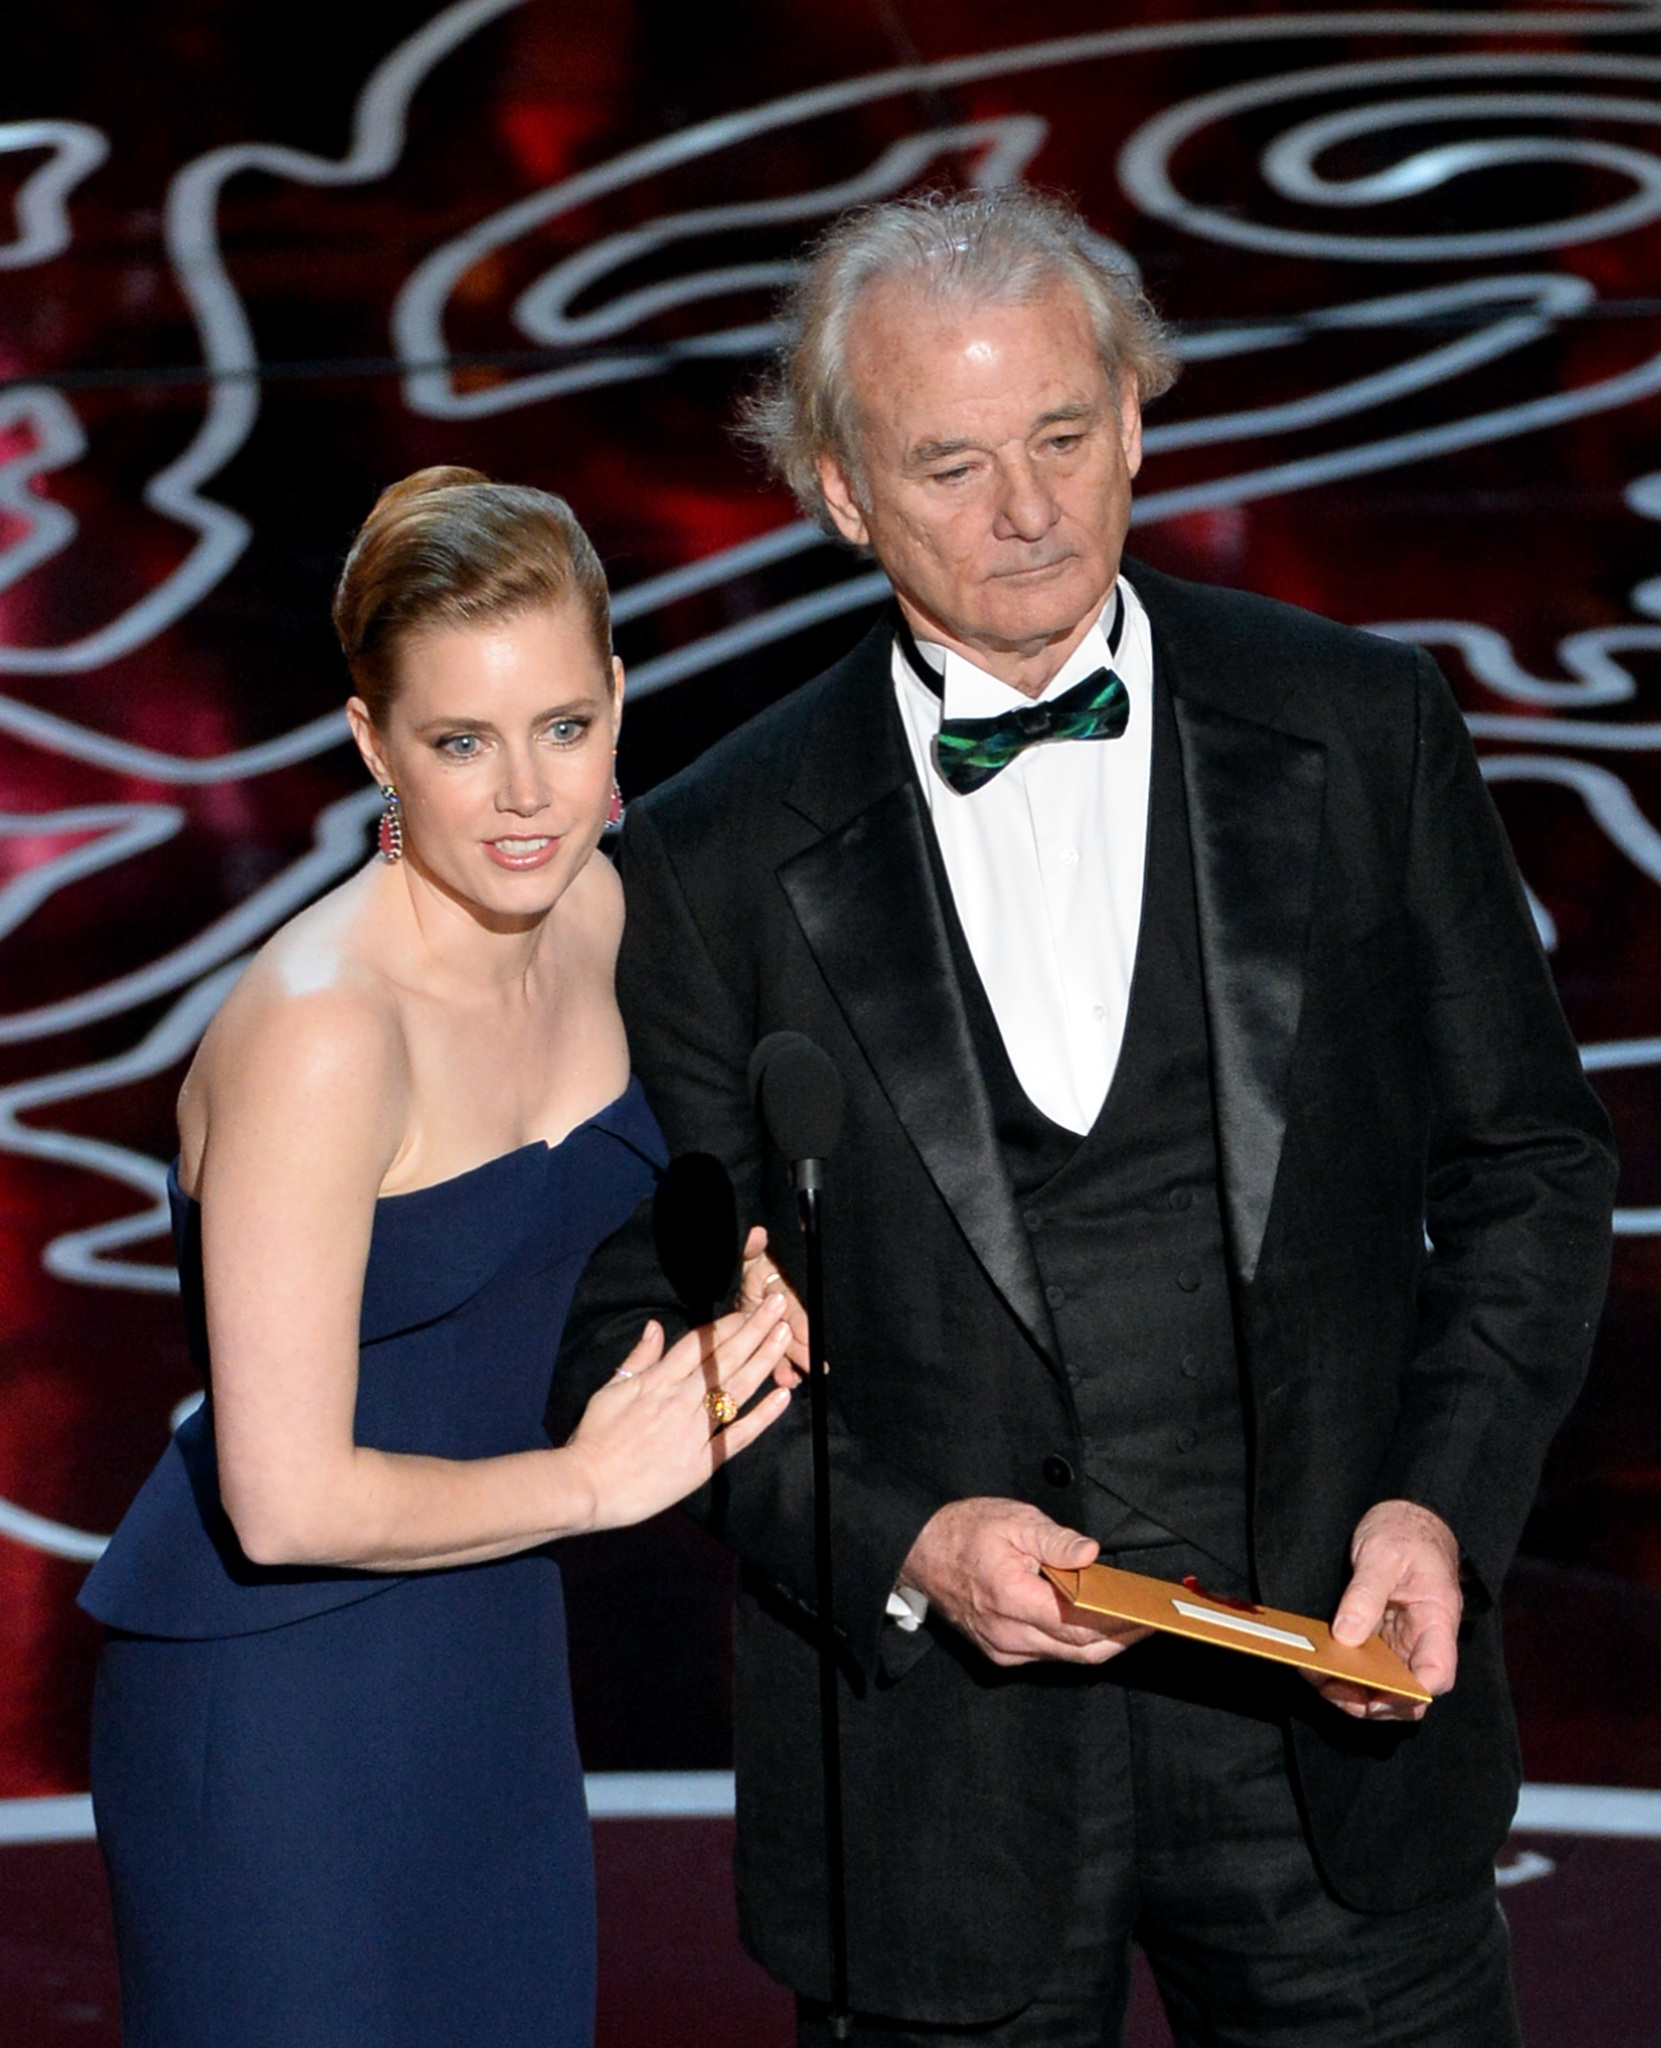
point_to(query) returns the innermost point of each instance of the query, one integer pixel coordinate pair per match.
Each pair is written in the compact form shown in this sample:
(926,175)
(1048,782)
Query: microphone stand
(807,1178)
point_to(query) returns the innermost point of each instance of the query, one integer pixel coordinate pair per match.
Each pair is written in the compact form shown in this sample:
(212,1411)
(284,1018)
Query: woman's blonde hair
(447,547)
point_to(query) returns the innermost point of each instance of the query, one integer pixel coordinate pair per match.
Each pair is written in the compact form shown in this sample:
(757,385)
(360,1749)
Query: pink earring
(614,815)
(390,838)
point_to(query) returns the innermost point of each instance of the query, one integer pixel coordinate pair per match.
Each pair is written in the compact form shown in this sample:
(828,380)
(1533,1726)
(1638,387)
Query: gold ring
(720,1406)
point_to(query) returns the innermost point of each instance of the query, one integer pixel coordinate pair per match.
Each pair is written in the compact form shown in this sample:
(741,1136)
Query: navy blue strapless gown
(345,1809)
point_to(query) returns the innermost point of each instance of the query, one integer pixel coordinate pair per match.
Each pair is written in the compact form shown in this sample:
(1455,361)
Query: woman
(333,1762)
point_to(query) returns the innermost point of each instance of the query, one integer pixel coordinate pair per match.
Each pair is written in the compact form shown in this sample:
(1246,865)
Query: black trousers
(1193,1849)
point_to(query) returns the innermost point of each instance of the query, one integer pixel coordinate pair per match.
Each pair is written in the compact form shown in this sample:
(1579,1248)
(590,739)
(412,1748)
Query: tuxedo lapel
(1255,801)
(865,898)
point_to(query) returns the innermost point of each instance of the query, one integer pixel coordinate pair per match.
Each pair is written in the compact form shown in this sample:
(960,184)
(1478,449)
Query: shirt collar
(970,692)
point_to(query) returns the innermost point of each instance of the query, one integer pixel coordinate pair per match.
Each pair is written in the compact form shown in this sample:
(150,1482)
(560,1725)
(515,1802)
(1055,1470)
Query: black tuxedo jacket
(1416,1181)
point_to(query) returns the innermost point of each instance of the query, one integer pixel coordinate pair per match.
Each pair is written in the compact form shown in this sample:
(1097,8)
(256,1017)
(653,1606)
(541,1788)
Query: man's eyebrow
(933,451)
(937,451)
(1081,409)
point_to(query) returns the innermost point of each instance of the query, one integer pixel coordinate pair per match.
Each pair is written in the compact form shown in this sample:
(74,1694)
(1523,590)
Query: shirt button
(1057,1471)
(1189,1279)
(1182,1198)
(1069,856)
(1055,1296)
(1187,1439)
(1190,1366)
(1099,1013)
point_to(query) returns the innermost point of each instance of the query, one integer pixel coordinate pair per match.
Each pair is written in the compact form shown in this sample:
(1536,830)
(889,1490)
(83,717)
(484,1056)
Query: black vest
(1126,1223)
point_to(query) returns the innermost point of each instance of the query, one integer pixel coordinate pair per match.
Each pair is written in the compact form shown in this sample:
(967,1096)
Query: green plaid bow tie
(970,751)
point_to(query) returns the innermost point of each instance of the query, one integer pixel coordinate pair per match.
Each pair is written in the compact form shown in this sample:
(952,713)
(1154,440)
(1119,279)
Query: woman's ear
(367,739)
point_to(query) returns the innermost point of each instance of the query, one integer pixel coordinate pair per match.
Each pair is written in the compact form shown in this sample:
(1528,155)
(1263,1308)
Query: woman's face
(499,743)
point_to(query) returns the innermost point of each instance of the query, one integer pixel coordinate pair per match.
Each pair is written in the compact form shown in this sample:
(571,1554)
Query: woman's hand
(654,1433)
(760,1280)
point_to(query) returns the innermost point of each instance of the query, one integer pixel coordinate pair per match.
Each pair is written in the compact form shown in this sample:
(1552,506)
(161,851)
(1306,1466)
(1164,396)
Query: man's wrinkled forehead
(918,311)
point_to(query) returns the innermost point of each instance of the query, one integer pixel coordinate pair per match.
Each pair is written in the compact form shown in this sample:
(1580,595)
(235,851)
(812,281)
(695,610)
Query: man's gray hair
(1011,246)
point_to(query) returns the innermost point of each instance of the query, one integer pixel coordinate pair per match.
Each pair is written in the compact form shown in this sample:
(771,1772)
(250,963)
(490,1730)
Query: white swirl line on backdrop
(1144,162)
(168,1043)
(1553,298)
(123,831)
(191,229)
(77,1256)
(54,441)
(418,317)
(43,229)
(337,844)
(1598,679)
(1005,147)
(1525,309)
(228,349)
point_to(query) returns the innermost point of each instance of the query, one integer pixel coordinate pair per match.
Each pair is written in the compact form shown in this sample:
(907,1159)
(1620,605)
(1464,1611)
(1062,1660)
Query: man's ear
(1130,422)
(367,739)
(841,503)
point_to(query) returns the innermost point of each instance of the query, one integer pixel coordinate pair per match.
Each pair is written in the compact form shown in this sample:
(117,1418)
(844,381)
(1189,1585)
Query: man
(1219,1190)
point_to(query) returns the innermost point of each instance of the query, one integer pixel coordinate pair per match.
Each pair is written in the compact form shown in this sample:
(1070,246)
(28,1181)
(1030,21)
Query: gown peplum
(344,1809)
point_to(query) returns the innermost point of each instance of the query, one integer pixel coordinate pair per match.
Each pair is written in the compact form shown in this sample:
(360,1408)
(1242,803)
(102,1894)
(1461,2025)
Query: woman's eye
(565,732)
(460,746)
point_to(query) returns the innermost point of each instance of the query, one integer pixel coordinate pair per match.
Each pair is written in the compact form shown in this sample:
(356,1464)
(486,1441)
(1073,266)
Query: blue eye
(460,746)
(565,732)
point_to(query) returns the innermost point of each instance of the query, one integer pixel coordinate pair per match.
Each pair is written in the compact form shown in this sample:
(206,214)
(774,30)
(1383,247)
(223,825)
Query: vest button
(1055,1296)
(1190,1366)
(1182,1198)
(1033,1220)
(1187,1439)
(1189,1279)
(1057,1471)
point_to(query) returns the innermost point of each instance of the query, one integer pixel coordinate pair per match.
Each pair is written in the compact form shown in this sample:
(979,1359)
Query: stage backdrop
(259,261)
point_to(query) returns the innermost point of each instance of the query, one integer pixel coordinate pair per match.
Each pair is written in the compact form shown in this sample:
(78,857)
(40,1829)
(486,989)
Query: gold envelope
(1259,1631)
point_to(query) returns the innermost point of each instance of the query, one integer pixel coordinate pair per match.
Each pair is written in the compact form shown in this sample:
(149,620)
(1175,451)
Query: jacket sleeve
(1519,1173)
(690,1042)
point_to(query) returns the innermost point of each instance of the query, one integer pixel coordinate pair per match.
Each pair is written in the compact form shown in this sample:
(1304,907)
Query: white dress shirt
(1045,864)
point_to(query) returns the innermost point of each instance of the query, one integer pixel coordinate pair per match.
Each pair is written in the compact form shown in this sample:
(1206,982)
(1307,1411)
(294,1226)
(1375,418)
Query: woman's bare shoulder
(311,1038)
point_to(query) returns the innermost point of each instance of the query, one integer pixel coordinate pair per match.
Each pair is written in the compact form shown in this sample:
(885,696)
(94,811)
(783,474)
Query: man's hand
(977,1560)
(759,1277)
(1405,1588)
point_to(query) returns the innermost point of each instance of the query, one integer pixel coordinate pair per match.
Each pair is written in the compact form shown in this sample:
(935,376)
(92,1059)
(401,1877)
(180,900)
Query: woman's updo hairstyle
(447,547)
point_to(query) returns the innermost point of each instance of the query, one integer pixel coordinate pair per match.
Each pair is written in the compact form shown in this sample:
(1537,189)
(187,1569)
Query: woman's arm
(307,1100)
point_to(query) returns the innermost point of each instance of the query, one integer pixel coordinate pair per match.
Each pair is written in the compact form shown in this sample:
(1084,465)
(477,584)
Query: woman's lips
(521,853)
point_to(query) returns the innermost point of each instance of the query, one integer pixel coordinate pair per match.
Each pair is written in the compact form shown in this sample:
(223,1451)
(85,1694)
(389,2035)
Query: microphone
(695,1224)
(799,1095)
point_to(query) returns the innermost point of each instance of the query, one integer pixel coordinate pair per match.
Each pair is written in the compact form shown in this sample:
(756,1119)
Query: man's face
(998,464)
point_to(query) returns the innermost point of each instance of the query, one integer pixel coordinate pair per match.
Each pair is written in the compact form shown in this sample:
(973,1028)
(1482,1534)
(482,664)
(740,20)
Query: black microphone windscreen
(695,1223)
(799,1093)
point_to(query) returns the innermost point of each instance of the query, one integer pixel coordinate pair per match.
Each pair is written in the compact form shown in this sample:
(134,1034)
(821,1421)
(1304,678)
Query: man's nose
(1026,506)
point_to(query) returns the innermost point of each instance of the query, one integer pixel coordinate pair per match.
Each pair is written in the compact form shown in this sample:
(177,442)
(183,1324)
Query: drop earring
(614,815)
(391,835)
